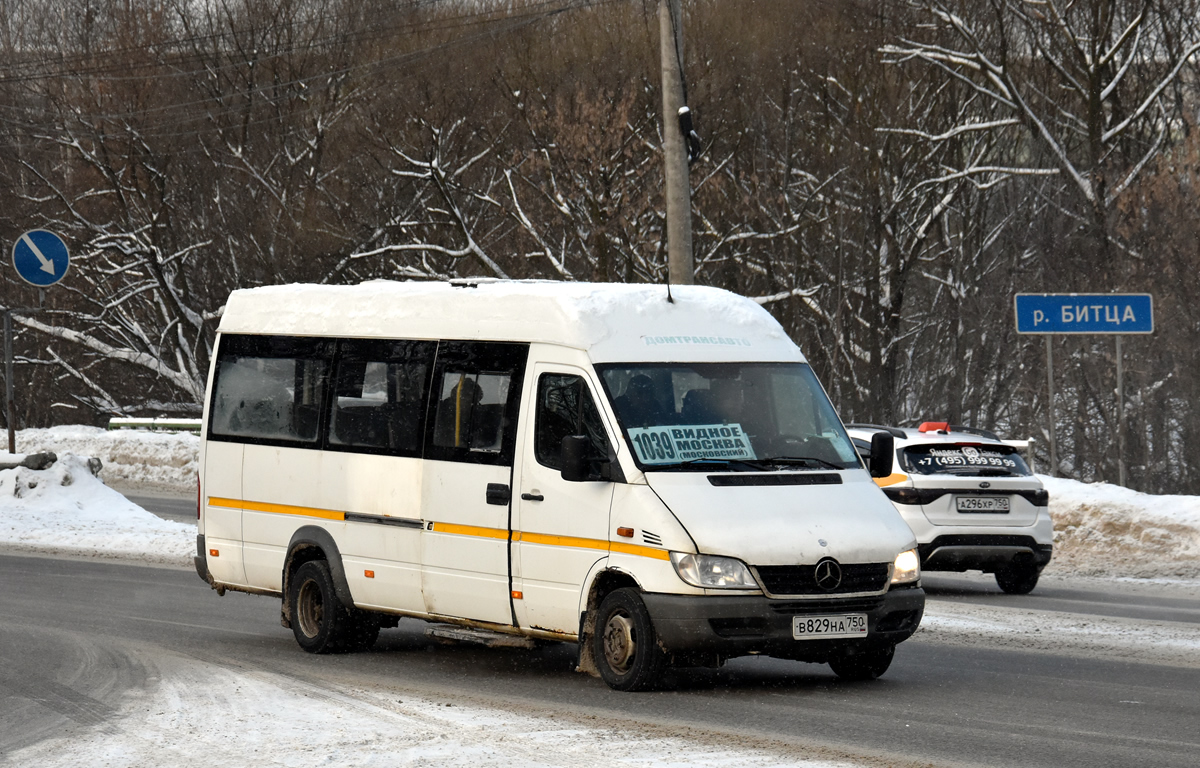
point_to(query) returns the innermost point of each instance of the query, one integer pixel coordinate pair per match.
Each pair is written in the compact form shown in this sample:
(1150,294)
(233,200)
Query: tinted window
(477,389)
(270,389)
(379,397)
(952,459)
(565,407)
(470,412)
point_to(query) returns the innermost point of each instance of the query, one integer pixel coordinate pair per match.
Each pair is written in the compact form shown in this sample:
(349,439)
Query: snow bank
(65,509)
(135,461)
(202,714)
(1106,530)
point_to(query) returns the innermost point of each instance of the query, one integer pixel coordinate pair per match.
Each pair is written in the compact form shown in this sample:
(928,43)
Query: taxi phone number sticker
(822,627)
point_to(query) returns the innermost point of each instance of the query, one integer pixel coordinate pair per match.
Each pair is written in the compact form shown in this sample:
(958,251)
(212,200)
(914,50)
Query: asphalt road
(79,638)
(182,510)
(1128,600)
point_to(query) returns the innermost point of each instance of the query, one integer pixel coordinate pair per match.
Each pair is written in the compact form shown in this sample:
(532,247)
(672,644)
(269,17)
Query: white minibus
(659,479)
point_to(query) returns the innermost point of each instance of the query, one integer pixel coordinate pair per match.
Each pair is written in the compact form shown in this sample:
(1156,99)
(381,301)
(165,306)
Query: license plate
(982,504)
(835,625)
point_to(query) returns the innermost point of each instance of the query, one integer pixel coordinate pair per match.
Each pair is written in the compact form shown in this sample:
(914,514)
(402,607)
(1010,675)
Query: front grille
(801,579)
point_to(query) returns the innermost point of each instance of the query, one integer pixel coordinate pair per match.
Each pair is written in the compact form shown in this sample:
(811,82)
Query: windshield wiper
(807,461)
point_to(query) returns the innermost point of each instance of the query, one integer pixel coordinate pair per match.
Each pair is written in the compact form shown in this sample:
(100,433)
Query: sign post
(41,259)
(1116,314)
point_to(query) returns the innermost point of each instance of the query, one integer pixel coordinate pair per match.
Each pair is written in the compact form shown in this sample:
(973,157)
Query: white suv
(971,501)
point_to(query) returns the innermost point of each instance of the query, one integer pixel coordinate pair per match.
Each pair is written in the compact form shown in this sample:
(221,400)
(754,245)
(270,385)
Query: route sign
(1108,313)
(40,258)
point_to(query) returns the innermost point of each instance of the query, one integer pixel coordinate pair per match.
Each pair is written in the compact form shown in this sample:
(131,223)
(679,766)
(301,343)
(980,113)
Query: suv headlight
(907,567)
(712,572)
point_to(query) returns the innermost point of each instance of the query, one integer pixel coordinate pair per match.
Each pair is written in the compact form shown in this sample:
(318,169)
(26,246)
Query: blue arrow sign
(40,257)
(1084,313)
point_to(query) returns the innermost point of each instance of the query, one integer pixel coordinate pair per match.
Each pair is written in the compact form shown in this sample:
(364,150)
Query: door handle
(532,497)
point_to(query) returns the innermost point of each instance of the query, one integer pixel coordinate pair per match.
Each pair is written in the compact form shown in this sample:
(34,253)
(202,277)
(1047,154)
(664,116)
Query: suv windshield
(734,416)
(952,459)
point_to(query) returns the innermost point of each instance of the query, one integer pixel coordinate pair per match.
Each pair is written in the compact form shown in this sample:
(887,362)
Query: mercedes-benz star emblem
(828,574)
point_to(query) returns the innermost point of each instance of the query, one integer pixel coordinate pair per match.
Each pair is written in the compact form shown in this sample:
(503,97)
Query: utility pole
(680,268)
(1120,415)
(1050,404)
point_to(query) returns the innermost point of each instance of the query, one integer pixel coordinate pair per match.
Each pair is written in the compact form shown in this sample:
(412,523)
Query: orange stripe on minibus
(470,530)
(279,509)
(606,546)
(456,529)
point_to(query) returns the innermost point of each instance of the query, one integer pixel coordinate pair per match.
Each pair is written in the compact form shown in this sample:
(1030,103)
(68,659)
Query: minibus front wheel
(625,644)
(864,665)
(320,622)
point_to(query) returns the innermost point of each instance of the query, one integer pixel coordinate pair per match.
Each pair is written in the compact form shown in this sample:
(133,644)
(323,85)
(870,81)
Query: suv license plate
(982,504)
(824,627)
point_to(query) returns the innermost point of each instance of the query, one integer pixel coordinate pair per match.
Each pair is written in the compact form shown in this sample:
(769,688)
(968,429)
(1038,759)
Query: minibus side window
(474,401)
(470,410)
(379,395)
(269,389)
(565,407)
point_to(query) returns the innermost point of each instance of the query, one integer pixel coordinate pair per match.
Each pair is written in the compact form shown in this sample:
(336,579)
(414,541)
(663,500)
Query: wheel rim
(310,608)
(619,644)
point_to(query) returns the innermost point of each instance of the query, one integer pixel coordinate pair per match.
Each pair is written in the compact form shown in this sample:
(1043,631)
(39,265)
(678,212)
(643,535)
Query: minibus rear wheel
(866,665)
(320,622)
(625,644)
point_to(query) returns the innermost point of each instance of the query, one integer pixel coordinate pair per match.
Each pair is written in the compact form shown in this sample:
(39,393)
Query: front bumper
(725,627)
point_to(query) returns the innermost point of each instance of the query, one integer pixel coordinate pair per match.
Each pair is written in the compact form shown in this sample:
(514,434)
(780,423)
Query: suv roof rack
(893,431)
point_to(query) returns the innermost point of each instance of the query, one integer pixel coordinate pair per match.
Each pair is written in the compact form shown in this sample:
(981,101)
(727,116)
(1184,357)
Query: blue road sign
(1084,313)
(40,257)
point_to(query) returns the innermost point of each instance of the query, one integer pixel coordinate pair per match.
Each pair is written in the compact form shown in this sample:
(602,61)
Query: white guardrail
(156,425)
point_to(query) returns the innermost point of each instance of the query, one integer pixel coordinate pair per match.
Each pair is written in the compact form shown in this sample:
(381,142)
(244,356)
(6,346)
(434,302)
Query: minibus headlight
(712,572)
(907,568)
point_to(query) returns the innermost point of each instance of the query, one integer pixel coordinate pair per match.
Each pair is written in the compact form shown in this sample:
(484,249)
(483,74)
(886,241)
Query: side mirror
(573,458)
(883,446)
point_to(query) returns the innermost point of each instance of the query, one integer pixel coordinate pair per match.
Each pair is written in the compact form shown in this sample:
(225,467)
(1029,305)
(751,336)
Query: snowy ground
(211,716)
(1102,531)
(1106,530)
(135,461)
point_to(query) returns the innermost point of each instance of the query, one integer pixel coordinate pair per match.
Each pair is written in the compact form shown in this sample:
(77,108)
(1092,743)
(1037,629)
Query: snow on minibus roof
(614,322)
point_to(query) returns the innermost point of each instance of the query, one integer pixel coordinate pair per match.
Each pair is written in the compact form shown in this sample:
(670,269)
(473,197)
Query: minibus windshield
(728,416)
